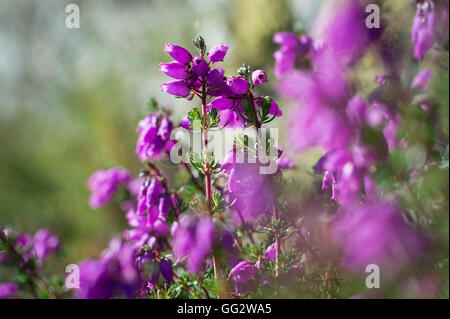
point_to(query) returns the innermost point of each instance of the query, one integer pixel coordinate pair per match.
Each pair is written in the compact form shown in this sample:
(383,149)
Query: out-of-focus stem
(277,243)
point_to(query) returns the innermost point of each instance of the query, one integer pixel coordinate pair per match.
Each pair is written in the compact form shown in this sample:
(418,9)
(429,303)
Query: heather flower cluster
(357,133)
(225,229)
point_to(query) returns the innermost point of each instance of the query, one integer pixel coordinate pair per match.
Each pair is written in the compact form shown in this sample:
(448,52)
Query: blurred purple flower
(420,81)
(242,275)
(8,289)
(193,239)
(113,275)
(44,243)
(104,185)
(271,252)
(377,234)
(423,29)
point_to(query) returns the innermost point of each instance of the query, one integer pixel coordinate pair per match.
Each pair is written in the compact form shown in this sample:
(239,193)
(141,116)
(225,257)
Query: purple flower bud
(177,88)
(176,70)
(164,206)
(154,190)
(199,66)
(238,85)
(423,30)
(421,80)
(242,275)
(259,77)
(215,77)
(271,252)
(217,53)
(44,243)
(284,162)
(242,272)
(178,53)
(8,289)
(166,270)
(155,269)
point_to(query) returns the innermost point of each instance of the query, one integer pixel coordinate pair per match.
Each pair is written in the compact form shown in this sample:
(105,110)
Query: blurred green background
(70,99)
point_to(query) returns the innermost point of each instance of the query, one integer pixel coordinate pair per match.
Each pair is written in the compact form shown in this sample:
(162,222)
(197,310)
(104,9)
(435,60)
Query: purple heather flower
(259,77)
(199,66)
(175,70)
(44,243)
(377,234)
(242,275)
(223,102)
(286,39)
(104,185)
(420,81)
(215,78)
(423,29)
(252,191)
(177,88)
(178,53)
(238,85)
(193,239)
(356,110)
(291,47)
(164,206)
(166,270)
(217,53)
(153,192)
(154,137)
(284,162)
(231,118)
(317,121)
(271,252)
(8,289)
(345,33)
(274,108)
(284,60)
(113,275)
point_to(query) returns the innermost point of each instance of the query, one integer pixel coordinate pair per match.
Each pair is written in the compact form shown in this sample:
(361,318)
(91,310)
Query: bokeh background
(70,99)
